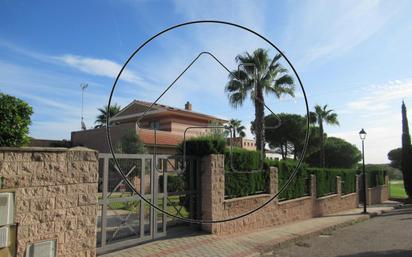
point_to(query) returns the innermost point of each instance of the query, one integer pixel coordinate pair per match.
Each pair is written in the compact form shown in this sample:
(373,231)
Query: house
(248,144)
(170,123)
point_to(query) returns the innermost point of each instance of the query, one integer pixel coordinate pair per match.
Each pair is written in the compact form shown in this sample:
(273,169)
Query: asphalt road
(388,235)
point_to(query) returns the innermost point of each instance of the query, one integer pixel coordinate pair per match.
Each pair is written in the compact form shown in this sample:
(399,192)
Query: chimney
(188,106)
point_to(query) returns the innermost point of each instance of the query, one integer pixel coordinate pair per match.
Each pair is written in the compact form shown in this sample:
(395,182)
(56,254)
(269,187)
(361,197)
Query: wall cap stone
(45,149)
(246,197)
(328,196)
(295,200)
(348,195)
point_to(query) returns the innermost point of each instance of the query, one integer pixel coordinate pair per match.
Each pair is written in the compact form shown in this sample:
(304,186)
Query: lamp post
(83,86)
(362,135)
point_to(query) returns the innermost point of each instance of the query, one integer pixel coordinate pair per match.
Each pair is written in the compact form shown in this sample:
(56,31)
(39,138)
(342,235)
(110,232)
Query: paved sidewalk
(246,244)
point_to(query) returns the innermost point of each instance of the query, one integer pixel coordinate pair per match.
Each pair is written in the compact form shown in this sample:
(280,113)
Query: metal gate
(124,219)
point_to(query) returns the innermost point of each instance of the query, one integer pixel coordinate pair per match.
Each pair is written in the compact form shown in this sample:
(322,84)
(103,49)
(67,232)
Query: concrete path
(247,244)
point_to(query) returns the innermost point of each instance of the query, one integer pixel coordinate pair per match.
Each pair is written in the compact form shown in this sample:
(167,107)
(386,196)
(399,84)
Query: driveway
(388,235)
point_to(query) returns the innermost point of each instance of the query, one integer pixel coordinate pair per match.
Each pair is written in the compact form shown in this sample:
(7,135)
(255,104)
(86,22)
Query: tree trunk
(322,145)
(282,152)
(259,119)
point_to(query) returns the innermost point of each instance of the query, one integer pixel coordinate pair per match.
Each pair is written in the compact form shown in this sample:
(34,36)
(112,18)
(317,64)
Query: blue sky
(353,56)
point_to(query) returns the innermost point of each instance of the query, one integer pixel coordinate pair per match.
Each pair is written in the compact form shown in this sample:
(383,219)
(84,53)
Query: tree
(130,143)
(395,156)
(237,126)
(287,137)
(104,112)
(258,74)
(320,116)
(406,163)
(339,154)
(14,121)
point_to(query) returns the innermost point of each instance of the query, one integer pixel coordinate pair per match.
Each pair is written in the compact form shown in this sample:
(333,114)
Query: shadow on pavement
(393,253)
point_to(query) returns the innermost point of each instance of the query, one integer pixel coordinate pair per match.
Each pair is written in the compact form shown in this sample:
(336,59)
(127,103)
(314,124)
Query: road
(388,235)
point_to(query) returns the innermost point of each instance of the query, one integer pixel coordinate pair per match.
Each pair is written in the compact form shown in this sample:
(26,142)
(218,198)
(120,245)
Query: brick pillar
(273,182)
(338,185)
(357,189)
(212,190)
(315,209)
(313,186)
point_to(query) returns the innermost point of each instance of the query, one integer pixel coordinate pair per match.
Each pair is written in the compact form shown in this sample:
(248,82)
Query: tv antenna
(83,86)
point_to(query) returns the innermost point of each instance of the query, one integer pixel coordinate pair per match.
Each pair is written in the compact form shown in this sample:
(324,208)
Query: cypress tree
(406,153)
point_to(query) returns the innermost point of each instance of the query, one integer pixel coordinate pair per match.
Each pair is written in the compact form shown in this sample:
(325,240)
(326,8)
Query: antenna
(83,86)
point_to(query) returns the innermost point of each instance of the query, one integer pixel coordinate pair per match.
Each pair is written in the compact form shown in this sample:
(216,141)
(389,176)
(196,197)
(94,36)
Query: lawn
(396,189)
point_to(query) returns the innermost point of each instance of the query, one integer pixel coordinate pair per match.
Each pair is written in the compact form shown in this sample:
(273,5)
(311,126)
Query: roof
(160,108)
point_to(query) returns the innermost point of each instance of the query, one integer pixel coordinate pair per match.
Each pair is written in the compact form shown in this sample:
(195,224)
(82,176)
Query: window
(154,124)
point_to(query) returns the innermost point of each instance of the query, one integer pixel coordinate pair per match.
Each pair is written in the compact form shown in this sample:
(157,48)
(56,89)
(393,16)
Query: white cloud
(95,66)
(380,97)
(99,67)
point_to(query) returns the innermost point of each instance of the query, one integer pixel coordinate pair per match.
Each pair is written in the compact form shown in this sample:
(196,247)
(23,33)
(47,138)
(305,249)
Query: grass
(396,189)
(134,206)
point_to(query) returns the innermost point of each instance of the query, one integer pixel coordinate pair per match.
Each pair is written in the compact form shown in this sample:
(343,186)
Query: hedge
(348,178)
(241,159)
(238,184)
(375,177)
(326,180)
(300,185)
(204,145)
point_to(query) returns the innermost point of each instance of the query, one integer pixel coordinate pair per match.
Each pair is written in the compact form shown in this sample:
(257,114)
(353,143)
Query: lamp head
(362,134)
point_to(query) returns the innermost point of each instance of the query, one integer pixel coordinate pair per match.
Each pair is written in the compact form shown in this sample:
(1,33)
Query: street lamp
(362,135)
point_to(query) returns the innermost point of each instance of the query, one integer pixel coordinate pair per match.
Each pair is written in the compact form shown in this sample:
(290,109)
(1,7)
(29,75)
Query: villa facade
(161,128)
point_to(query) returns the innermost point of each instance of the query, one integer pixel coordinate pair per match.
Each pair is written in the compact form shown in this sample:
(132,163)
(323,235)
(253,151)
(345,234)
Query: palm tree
(237,126)
(102,117)
(258,74)
(320,116)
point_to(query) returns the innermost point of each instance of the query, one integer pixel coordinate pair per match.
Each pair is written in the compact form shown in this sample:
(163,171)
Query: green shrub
(243,178)
(204,145)
(14,121)
(175,183)
(375,175)
(300,185)
(241,159)
(348,178)
(238,184)
(326,180)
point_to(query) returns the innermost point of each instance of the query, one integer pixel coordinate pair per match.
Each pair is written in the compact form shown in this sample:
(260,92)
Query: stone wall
(215,207)
(379,193)
(56,197)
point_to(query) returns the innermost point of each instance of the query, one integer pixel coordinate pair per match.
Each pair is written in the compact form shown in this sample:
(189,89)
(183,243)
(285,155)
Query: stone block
(58,190)
(66,201)
(42,204)
(65,225)
(9,169)
(87,199)
(29,168)
(86,221)
(30,192)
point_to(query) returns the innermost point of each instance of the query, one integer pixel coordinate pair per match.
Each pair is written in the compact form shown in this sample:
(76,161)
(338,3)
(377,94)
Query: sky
(353,56)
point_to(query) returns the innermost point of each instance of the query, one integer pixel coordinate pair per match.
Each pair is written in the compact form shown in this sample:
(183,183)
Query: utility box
(42,249)
(6,209)
(4,237)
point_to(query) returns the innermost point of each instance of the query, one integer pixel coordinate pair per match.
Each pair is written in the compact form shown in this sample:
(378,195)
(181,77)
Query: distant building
(242,142)
(170,124)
